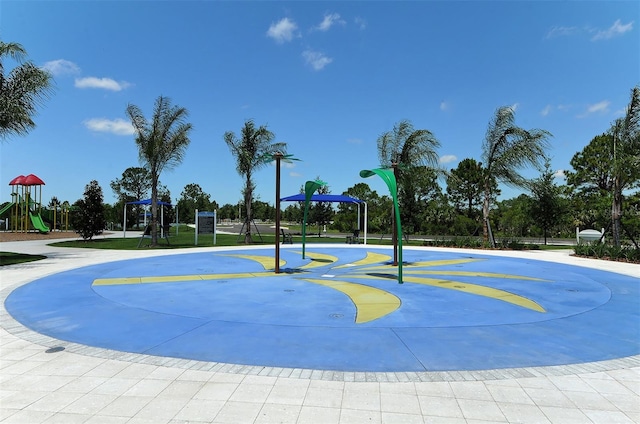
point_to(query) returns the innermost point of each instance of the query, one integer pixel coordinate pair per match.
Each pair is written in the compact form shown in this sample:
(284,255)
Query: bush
(460,242)
(626,253)
(478,243)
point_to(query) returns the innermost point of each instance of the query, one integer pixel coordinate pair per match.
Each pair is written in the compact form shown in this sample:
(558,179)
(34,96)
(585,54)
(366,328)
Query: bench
(286,237)
(354,238)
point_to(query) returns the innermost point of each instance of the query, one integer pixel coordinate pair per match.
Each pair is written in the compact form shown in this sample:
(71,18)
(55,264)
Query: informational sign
(206,224)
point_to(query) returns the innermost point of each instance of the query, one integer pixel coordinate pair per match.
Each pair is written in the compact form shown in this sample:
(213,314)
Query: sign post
(206,224)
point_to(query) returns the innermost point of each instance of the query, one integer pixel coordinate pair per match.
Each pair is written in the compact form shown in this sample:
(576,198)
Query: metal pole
(365,223)
(196,227)
(277,156)
(395,224)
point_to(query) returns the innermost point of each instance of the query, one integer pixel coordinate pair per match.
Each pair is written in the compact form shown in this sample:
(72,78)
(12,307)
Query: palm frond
(407,146)
(508,148)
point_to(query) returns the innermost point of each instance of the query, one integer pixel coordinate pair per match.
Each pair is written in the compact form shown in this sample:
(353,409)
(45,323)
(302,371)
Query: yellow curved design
(490,292)
(478,274)
(318,260)
(409,266)
(372,258)
(267,262)
(180,278)
(371,303)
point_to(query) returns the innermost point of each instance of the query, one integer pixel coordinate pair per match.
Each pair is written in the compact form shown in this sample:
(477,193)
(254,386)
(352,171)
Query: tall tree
(513,216)
(406,149)
(250,150)
(192,198)
(134,185)
(626,158)
(548,205)
(162,144)
(597,169)
(346,218)
(22,90)
(507,149)
(417,192)
(321,212)
(465,187)
(610,163)
(88,216)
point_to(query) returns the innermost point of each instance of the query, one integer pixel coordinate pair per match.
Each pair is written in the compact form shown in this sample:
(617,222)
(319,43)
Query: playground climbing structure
(24,210)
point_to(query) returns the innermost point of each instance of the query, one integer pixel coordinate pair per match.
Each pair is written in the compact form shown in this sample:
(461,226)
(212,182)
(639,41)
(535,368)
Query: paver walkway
(91,384)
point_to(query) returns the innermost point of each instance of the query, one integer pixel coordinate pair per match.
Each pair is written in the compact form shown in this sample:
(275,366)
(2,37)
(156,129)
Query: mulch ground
(17,236)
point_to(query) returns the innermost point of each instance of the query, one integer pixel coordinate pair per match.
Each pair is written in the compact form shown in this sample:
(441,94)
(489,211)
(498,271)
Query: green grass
(186,239)
(9,258)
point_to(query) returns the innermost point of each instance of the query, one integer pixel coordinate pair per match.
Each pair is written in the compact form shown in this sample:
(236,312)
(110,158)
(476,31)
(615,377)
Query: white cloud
(361,23)
(294,174)
(559,174)
(61,67)
(317,60)
(444,106)
(600,107)
(614,30)
(116,126)
(447,159)
(547,109)
(104,83)
(354,140)
(561,31)
(283,30)
(514,106)
(329,21)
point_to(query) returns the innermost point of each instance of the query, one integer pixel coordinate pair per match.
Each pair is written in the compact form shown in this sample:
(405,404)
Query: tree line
(599,189)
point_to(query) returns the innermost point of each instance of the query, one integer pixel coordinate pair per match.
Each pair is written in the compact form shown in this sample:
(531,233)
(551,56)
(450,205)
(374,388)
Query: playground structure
(25,207)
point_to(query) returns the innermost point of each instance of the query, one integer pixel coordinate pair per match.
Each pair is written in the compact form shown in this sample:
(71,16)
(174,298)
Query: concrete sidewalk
(76,386)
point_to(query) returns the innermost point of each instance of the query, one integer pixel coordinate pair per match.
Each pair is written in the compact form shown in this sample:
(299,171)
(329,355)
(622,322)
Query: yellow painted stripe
(115,281)
(421,264)
(371,303)
(485,291)
(318,260)
(476,274)
(372,258)
(180,278)
(267,262)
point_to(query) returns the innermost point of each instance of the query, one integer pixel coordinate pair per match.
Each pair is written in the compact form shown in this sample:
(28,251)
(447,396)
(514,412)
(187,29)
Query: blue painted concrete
(285,321)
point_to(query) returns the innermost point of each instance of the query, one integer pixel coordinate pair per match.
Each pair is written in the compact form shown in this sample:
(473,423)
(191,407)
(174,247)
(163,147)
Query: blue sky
(326,77)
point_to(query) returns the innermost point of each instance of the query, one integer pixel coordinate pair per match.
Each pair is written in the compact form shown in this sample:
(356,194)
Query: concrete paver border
(17,329)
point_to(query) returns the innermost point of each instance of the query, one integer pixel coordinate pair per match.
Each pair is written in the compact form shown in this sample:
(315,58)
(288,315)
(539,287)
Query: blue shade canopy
(322,198)
(147,202)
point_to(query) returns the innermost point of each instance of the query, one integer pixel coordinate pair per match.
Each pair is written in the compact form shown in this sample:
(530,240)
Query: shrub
(625,253)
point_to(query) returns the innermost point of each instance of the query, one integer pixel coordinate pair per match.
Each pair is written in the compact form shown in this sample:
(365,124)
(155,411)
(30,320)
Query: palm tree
(162,144)
(402,149)
(626,158)
(21,91)
(506,149)
(250,151)
(407,146)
